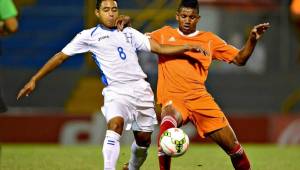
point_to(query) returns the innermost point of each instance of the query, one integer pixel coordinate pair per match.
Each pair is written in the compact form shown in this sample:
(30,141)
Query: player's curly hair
(194,4)
(98,3)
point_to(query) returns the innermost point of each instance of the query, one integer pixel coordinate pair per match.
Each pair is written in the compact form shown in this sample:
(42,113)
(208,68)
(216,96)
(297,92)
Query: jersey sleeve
(79,44)
(159,35)
(156,35)
(223,51)
(140,41)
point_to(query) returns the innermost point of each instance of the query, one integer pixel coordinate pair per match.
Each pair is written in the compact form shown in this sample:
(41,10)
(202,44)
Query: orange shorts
(203,112)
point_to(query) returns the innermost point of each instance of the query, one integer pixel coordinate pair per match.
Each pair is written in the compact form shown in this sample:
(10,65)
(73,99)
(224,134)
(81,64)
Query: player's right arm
(171,50)
(52,63)
(80,44)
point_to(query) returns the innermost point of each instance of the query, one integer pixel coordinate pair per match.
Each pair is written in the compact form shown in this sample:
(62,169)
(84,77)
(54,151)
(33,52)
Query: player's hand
(259,30)
(27,89)
(122,22)
(194,48)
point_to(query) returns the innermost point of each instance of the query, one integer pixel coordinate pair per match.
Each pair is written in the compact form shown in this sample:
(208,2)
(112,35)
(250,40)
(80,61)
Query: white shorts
(134,102)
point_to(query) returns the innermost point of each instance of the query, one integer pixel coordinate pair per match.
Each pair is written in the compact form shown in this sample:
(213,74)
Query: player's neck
(107,28)
(188,35)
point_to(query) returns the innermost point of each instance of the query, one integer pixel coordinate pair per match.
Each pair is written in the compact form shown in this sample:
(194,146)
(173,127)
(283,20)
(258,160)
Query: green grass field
(202,157)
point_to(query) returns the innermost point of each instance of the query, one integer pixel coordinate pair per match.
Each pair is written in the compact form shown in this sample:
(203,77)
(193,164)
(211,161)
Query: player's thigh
(116,113)
(205,114)
(144,119)
(207,121)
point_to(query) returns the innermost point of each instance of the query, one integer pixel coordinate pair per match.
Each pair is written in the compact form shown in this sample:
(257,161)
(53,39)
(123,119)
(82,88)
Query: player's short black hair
(194,4)
(98,3)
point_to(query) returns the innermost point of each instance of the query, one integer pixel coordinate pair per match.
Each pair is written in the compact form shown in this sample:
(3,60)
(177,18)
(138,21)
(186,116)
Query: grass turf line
(87,157)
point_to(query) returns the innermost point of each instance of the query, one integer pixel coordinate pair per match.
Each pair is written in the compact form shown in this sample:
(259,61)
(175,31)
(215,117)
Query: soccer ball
(174,142)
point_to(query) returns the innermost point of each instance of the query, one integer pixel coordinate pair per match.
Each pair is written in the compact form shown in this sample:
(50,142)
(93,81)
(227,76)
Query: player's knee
(116,125)
(143,142)
(116,128)
(168,110)
(171,111)
(143,139)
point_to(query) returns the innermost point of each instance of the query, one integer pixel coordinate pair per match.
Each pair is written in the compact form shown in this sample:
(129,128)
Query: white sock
(111,149)
(138,156)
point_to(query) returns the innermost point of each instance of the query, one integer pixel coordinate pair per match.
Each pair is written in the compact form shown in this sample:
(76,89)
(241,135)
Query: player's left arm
(122,22)
(245,53)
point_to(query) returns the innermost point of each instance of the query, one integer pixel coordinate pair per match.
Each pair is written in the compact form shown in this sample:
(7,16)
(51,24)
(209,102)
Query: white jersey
(113,51)
(127,93)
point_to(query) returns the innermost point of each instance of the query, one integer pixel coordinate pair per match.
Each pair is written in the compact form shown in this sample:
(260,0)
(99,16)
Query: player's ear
(177,16)
(199,18)
(97,13)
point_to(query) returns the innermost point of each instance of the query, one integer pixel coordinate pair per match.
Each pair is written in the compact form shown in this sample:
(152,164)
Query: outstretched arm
(52,63)
(124,21)
(171,50)
(246,51)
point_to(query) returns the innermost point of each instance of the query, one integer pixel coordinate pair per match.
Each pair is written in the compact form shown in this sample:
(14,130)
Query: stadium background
(262,100)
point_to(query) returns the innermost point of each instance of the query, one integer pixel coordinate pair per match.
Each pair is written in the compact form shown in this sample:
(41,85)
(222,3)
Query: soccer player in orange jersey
(181,82)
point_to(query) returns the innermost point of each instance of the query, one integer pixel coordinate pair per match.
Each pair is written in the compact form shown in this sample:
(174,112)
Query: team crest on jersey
(172,39)
(128,37)
(103,37)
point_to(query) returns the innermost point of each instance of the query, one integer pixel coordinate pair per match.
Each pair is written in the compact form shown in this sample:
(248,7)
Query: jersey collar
(107,29)
(189,35)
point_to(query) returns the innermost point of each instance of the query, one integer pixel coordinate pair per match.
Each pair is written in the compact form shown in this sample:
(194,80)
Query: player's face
(187,20)
(107,13)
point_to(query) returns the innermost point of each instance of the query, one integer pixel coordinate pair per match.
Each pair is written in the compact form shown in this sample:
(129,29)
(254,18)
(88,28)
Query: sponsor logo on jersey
(103,37)
(172,39)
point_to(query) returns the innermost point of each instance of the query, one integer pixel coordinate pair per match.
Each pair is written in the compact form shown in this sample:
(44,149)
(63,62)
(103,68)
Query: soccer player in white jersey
(128,98)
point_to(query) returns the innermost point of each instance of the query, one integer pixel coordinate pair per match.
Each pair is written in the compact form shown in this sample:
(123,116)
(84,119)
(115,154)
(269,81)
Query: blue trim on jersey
(107,29)
(95,29)
(103,77)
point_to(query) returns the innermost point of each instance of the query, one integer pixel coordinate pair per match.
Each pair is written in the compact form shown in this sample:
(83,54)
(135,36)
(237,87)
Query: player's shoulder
(127,29)
(166,28)
(92,32)
(130,29)
(88,32)
(209,35)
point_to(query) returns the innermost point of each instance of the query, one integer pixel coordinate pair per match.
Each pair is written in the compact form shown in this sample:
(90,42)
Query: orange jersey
(185,75)
(295,7)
